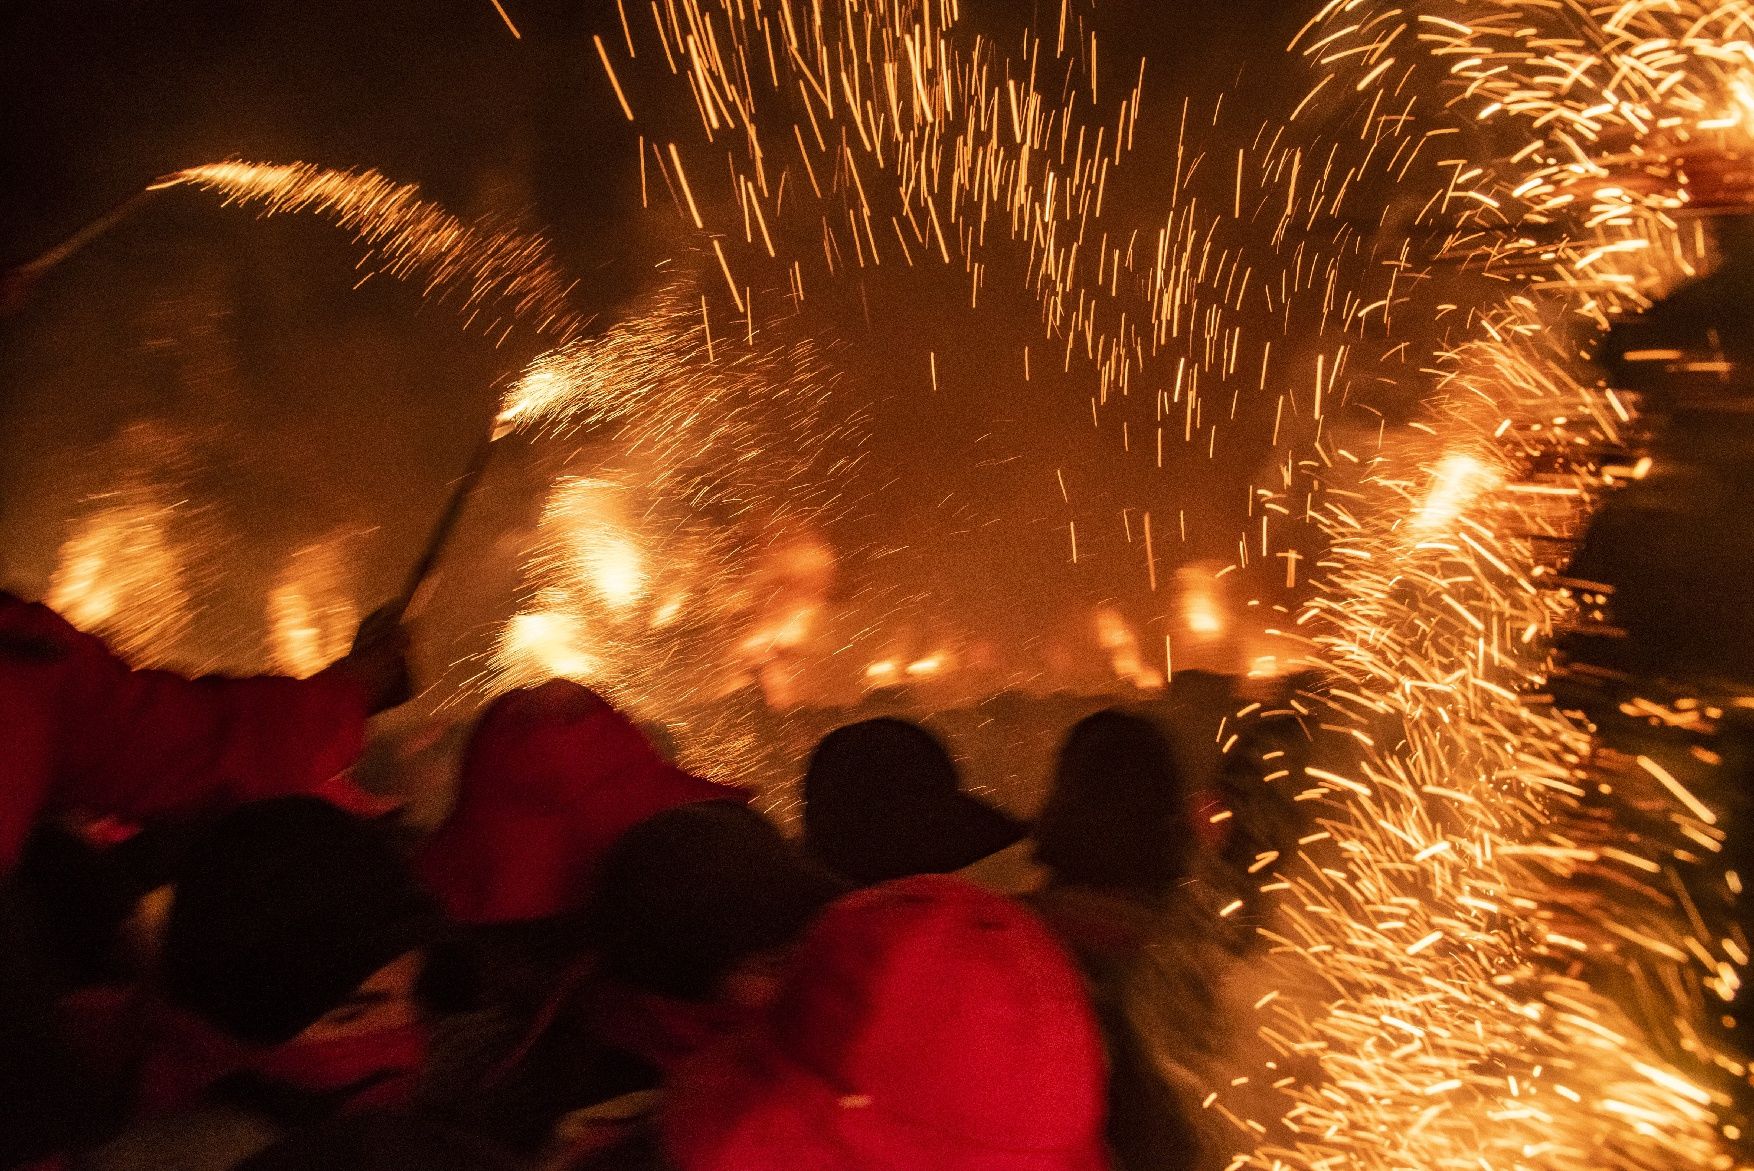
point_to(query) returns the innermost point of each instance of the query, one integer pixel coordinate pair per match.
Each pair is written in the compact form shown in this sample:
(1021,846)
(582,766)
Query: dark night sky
(351,409)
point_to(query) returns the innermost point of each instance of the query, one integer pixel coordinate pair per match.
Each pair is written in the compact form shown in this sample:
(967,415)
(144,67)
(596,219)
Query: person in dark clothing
(1117,818)
(689,896)
(1116,838)
(882,800)
(695,913)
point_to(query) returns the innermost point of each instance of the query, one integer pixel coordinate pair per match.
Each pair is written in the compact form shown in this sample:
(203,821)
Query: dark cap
(882,800)
(688,894)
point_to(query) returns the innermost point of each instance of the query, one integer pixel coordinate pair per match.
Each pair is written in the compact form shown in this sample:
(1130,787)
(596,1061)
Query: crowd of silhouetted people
(218,950)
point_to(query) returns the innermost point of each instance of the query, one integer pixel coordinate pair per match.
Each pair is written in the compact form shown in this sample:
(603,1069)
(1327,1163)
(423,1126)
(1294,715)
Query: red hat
(926,1025)
(552,777)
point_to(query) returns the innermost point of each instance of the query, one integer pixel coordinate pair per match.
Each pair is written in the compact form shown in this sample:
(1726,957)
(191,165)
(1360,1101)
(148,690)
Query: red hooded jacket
(84,731)
(924,1025)
(551,779)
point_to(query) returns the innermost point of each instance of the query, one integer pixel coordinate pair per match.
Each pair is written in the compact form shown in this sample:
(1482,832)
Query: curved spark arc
(502,278)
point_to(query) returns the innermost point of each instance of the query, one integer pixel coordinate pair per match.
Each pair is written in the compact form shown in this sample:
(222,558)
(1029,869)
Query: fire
(932,664)
(1116,637)
(593,544)
(615,568)
(123,573)
(1456,482)
(311,614)
(1202,602)
(545,644)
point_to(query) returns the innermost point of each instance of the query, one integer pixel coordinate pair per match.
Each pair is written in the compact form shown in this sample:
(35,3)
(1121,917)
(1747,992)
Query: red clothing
(84,731)
(925,1025)
(174,1056)
(551,779)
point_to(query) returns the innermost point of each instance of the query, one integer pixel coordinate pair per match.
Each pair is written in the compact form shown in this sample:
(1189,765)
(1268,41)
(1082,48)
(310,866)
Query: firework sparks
(1467,192)
(500,279)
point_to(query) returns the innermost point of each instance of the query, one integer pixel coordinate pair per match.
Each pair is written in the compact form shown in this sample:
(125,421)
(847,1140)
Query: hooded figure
(882,800)
(1117,817)
(692,909)
(924,1025)
(692,893)
(551,778)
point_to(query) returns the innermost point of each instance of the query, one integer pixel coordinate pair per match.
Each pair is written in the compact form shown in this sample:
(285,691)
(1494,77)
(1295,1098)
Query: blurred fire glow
(122,573)
(311,614)
(544,644)
(1456,481)
(1116,637)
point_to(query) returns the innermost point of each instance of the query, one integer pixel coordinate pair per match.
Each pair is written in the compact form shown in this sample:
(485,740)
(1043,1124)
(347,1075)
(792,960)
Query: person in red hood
(923,1025)
(85,732)
(552,776)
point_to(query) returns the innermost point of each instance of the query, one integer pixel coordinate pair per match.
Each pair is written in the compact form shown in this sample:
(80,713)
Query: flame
(1456,482)
(122,573)
(311,615)
(1116,637)
(932,664)
(545,644)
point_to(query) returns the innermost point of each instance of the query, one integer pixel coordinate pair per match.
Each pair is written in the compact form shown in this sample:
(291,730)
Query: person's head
(551,777)
(923,1025)
(292,919)
(882,800)
(691,898)
(1117,815)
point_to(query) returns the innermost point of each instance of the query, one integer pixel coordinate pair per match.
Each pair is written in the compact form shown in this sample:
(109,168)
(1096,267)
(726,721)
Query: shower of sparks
(1541,155)
(1490,955)
(1492,961)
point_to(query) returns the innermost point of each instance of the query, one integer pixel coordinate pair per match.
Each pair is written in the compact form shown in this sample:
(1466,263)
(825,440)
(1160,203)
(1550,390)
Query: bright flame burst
(121,573)
(311,612)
